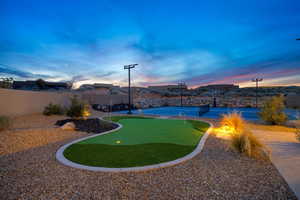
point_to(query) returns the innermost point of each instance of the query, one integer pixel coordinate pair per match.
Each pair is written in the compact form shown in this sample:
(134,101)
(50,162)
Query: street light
(256,80)
(181,87)
(298,39)
(129,93)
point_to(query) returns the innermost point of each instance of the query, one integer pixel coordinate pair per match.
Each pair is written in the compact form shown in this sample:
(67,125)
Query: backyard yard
(29,169)
(171,100)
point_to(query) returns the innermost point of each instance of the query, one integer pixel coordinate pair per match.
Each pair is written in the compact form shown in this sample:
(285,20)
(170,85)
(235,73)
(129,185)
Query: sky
(191,41)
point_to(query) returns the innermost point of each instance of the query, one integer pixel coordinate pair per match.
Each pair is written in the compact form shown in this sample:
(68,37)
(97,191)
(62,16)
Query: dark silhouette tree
(41,84)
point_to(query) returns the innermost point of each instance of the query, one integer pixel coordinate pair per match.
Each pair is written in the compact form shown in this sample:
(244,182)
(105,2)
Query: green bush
(5,123)
(272,111)
(53,109)
(78,109)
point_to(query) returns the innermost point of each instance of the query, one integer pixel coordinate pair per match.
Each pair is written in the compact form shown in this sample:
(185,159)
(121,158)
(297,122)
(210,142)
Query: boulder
(69,126)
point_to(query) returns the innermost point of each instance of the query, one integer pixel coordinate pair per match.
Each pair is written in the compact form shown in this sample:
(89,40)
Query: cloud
(277,67)
(79,78)
(105,74)
(20,73)
(69,47)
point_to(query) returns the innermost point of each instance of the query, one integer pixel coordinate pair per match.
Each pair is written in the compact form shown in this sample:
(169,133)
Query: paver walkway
(285,155)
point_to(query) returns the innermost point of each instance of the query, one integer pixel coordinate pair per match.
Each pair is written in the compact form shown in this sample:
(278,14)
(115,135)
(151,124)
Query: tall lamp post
(129,93)
(256,80)
(181,87)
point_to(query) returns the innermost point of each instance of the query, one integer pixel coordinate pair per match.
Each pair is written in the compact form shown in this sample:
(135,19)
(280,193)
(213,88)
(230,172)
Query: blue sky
(198,42)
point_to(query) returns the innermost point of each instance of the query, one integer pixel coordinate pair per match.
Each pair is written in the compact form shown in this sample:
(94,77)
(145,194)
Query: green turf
(141,141)
(118,118)
(103,155)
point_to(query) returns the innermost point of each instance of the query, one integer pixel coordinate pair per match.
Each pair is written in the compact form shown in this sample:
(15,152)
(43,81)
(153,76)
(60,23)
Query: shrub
(78,109)
(242,139)
(53,109)
(247,143)
(298,134)
(233,120)
(273,111)
(5,123)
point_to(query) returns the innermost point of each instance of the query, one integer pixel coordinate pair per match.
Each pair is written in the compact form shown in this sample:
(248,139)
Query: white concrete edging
(61,158)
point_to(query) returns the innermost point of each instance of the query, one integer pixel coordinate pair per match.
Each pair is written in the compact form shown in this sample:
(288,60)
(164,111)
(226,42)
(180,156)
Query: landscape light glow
(224,131)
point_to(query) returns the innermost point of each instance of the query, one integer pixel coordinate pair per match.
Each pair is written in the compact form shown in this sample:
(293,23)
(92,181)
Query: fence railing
(203,109)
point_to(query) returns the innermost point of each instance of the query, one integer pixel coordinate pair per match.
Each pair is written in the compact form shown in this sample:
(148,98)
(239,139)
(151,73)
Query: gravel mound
(93,125)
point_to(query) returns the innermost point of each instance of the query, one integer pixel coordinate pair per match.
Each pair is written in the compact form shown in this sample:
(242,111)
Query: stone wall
(197,101)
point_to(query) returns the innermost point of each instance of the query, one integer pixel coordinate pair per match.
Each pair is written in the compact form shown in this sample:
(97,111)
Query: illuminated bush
(5,123)
(53,109)
(78,109)
(233,121)
(242,139)
(272,111)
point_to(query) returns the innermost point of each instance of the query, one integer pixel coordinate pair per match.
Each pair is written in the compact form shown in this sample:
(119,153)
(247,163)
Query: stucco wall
(19,102)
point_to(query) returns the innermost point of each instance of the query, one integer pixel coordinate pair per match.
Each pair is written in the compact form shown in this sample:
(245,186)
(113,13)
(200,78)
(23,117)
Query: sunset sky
(198,42)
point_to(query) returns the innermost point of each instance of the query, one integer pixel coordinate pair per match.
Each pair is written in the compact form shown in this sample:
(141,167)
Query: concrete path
(285,155)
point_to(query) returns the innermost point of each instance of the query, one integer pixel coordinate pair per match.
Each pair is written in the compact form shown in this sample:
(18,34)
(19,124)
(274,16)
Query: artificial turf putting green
(140,142)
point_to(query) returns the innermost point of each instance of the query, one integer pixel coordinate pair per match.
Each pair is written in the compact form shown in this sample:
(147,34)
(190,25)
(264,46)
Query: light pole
(181,87)
(298,39)
(129,93)
(214,98)
(256,80)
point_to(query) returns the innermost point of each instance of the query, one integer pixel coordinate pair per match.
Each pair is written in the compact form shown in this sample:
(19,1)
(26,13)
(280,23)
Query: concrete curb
(61,158)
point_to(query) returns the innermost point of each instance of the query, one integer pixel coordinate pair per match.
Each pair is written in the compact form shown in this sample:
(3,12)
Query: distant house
(40,85)
(98,88)
(168,87)
(5,84)
(220,87)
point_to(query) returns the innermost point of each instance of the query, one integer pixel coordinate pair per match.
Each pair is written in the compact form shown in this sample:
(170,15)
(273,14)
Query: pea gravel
(215,173)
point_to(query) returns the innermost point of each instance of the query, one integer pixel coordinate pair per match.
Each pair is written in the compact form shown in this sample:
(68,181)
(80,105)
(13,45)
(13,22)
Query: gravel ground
(32,131)
(215,173)
(35,121)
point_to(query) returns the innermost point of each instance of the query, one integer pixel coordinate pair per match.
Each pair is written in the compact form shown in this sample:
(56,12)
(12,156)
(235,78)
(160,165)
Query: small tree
(78,109)
(273,111)
(41,84)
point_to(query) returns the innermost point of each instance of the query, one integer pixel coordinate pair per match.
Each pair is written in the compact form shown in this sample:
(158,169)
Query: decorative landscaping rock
(69,126)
